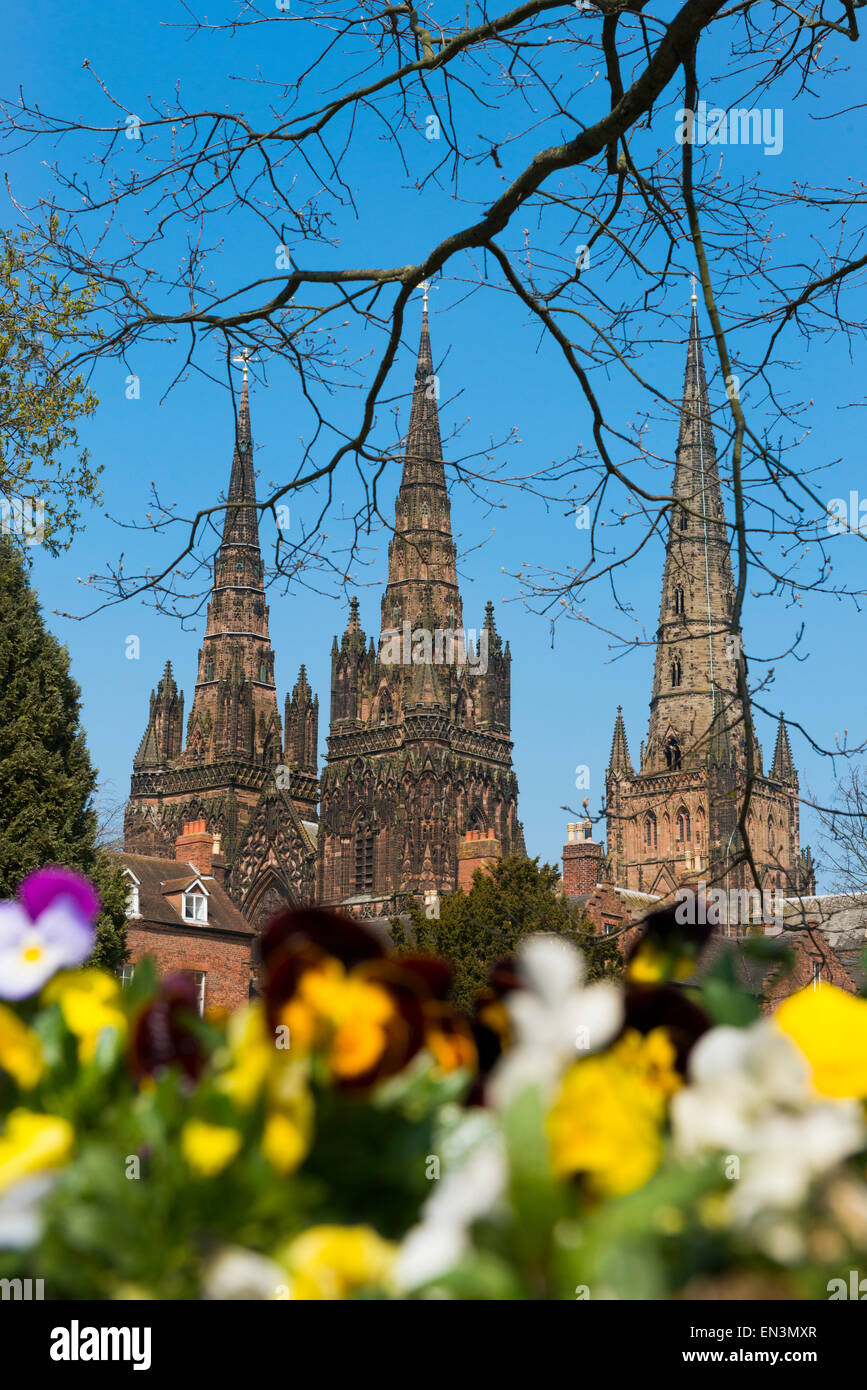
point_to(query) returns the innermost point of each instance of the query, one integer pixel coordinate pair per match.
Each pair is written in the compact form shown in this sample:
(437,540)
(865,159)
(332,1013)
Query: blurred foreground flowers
(350,1134)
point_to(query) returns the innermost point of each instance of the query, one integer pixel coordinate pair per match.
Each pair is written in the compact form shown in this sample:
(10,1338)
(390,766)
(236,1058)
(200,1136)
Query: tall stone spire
(234,711)
(783,766)
(694,712)
(422,552)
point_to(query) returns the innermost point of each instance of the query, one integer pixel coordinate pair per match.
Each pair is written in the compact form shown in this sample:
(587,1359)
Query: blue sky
(496,376)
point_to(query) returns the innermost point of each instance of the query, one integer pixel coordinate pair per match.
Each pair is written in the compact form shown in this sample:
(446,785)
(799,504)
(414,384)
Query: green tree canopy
(47,781)
(513,899)
(42,484)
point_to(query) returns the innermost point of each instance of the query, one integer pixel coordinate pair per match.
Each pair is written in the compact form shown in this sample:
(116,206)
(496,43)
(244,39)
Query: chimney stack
(477,850)
(196,846)
(581,858)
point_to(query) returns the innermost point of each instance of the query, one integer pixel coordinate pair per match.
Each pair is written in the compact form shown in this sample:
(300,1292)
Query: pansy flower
(162,1035)
(49,928)
(329,981)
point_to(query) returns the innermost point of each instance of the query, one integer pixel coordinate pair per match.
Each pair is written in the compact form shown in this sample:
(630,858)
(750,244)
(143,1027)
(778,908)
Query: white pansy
(21,1220)
(237,1273)
(555,1020)
(750,1095)
(465,1194)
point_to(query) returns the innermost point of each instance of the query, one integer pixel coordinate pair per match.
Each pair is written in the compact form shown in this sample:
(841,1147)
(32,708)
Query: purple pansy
(49,929)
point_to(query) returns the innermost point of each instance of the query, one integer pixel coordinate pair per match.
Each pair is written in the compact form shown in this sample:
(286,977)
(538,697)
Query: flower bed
(351,1134)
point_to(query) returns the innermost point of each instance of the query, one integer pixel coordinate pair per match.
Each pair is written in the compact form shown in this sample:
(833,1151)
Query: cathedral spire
(620,763)
(422,551)
(164,734)
(240,525)
(694,707)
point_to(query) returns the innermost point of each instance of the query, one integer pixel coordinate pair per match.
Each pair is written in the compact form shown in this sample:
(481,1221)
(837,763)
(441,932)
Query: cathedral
(418,786)
(674,820)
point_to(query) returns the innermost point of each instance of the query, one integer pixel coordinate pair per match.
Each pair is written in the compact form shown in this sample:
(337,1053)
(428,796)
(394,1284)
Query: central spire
(422,553)
(694,714)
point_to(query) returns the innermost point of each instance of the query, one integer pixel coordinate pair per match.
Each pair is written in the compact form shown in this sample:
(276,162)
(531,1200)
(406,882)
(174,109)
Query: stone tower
(233,772)
(419,750)
(674,820)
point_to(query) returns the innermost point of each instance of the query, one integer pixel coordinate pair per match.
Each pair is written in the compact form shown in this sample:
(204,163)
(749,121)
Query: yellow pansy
(208,1148)
(90,1001)
(606,1123)
(31,1143)
(20,1050)
(356,1011)
(250,1055)
(286,1139)
(335,1262)
(830,1028)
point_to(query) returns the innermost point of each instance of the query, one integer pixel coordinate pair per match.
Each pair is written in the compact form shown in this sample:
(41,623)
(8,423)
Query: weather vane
(244,359)
(694,295)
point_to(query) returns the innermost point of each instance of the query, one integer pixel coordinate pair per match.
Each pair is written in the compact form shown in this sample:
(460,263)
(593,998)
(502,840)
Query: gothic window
(363,856)
(770,833)
(683,518)
(475,820)
(678,601)
(672,754)
(209,671)
(676,671)
(684,829)
(263,670)
(650,831)
(463,710)
(384,709)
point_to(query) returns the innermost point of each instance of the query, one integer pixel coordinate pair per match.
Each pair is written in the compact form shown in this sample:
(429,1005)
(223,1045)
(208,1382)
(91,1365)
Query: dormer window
(195,907)
(133,900)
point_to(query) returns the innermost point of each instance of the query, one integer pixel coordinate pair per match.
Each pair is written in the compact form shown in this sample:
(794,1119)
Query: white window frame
(125,973)
(192,913)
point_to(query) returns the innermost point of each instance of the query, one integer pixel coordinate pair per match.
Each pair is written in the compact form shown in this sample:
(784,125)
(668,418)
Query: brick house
(179,913)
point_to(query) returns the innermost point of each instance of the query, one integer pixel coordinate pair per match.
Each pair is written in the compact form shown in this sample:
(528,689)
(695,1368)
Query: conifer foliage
(47,780)
(516,897)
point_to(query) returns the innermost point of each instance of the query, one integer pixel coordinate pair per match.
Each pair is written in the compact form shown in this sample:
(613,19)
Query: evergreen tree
(47,781)
(515,898)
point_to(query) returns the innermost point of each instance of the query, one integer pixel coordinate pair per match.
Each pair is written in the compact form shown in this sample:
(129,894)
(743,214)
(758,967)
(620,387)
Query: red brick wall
(810,949)
(226,962)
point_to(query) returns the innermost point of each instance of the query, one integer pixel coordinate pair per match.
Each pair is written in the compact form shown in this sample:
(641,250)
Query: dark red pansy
(665,1006)
(332,933)
(436,974)
(162,1035)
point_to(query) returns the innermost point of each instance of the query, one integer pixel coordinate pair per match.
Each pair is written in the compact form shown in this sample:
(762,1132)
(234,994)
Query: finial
(244,359)
(694,298)
(425,287)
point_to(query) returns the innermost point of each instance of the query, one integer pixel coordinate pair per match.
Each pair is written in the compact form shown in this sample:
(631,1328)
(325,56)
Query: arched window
(384,709)
(650,831)
(684,519)
(209,671)
(672,754)
(678,601)
(676,671)
(363,856)
(684,829)
(770,833)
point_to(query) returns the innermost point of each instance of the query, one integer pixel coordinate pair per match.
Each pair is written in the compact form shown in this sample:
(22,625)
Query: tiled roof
(160,877)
